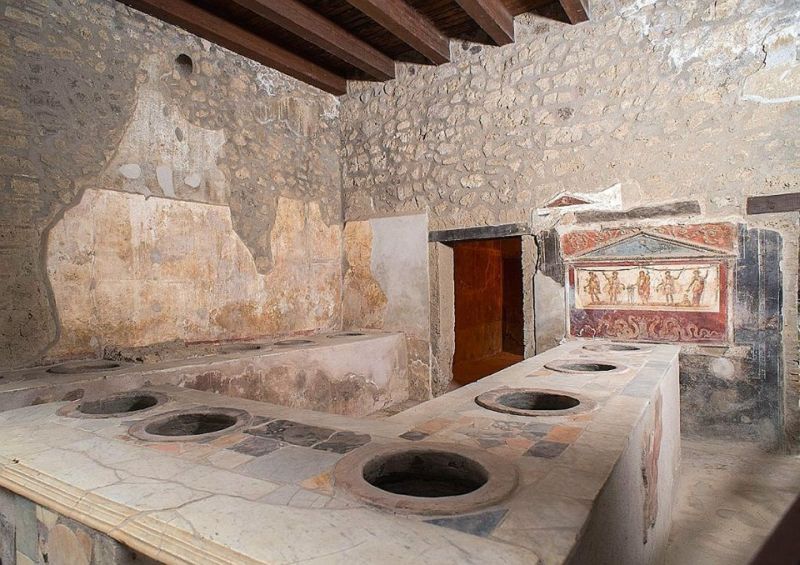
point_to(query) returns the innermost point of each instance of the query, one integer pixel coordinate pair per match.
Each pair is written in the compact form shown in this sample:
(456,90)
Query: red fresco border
(720,236)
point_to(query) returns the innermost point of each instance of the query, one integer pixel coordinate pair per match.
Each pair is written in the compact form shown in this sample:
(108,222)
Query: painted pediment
(646,245)
(566,200)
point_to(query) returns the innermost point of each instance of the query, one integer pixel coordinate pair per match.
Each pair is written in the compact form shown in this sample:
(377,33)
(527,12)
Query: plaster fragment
(130,171)
(164,177)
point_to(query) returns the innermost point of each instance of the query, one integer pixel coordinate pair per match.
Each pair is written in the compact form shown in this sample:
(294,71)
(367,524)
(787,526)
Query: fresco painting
(685,287)
(649,286)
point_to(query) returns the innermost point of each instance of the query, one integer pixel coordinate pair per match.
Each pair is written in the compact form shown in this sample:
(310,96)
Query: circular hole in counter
(91,366)
(113,405)
(584,367)
(119,404)
(190,424)
(534,402)
(290,342)
(242,347)
(428,478)
(429,474)
(346,334)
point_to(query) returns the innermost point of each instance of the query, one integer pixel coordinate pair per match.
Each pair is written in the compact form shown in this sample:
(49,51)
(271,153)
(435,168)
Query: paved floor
(730,496)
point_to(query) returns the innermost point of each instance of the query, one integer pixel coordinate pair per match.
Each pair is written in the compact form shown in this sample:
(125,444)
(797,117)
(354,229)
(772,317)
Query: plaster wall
(386,287)
(148,197)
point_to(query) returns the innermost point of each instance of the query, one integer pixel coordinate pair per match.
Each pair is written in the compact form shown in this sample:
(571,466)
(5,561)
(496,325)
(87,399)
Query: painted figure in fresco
(592,288)
(643,286)
(613,286)
(697,286)
(667,287)
(631,290)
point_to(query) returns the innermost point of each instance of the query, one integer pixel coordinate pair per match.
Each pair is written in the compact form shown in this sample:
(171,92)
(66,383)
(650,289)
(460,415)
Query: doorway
(489,318)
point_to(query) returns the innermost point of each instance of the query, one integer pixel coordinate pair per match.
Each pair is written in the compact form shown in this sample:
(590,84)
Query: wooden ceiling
(328,42)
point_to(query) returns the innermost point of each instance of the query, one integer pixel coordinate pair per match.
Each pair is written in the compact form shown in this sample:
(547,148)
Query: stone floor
(730,496)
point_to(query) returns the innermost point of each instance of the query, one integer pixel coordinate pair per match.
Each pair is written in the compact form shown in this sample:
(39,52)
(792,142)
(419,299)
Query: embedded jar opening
(92,366)
(529,400)
(191,424)
(347,334)
(240,347)
(287,342)
(534,402)
(119,404)
(426,474)
(587,366)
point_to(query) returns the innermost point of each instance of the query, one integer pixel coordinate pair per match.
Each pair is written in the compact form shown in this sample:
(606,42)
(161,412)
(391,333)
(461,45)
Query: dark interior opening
(191,424)
(285,342)
(488,307)
(587,367)
(118,404)
(538,401)
(91,366)
(237,347)
(429,474)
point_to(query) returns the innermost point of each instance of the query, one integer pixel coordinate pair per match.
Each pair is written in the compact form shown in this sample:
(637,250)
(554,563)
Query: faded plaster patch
(127,271)
(778,81)
(152,151)
(364,300)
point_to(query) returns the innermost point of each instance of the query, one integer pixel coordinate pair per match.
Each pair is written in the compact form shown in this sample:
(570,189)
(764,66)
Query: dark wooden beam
(209,26)
(493,18)
(576,10)
(774,203)
(484,232)
(408,25)
(304,22)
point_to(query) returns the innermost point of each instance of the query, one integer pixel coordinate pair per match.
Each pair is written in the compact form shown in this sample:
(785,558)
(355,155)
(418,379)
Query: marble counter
(265,493)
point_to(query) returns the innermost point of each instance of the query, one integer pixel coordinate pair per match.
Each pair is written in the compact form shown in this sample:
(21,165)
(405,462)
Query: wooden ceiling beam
(198,21)
(408,25)
(493,18)
(576,10)
(296,17)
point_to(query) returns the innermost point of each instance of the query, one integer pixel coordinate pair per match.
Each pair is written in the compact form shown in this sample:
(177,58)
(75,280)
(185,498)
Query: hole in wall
(428,474)
(184,65)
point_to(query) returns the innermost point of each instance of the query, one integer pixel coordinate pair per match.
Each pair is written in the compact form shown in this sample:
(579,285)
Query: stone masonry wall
(674,100)
(154,187)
